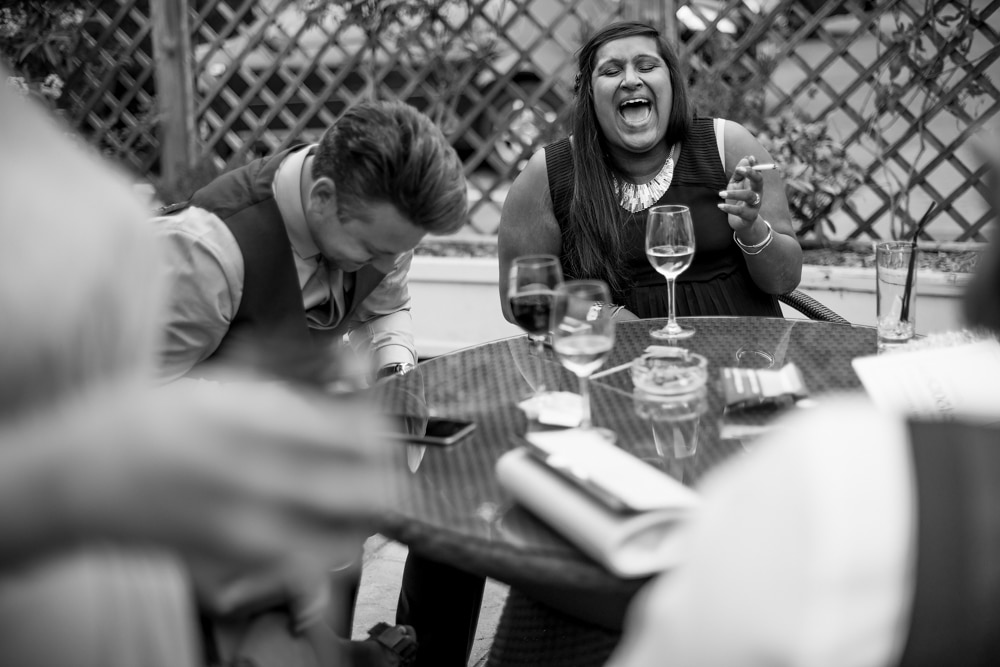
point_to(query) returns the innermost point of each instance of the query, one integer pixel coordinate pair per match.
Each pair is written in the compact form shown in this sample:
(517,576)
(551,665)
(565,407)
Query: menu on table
(943,382)
(616,508)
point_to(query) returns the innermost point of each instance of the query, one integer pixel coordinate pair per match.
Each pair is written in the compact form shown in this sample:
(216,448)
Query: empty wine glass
(670,249)
(531,291)
(582,335)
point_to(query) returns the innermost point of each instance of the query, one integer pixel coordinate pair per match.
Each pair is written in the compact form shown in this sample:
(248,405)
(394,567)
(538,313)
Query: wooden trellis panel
(110,92)
(497,75)
(797,57)
(494,75)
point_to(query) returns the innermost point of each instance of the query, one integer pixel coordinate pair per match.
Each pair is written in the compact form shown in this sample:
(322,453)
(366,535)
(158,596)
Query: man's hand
(264,488)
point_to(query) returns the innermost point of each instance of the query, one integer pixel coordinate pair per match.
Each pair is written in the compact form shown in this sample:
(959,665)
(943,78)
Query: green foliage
(445,37)
(819,175)
(926,66)
(711,95)
(732,91)
(37,40)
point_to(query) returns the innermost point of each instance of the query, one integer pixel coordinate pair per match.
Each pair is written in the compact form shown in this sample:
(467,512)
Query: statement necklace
(638,197)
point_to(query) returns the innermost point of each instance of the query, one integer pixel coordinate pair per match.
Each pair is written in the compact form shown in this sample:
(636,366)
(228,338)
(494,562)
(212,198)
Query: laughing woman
(634,145)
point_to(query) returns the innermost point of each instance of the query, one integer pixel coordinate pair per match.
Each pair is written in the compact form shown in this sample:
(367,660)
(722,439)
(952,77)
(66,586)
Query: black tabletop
(453,508)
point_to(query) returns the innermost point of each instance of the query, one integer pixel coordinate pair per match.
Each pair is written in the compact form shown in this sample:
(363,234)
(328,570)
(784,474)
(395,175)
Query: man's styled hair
(594,238)
(390,152)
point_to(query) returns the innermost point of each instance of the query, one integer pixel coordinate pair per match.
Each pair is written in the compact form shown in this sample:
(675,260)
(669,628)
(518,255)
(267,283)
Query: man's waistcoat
(271,309)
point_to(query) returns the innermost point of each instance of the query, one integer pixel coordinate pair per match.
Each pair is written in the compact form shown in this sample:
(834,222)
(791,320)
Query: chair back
(810,307)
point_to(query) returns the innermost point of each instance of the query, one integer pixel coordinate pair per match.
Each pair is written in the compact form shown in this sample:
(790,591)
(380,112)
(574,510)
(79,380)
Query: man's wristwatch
(399,368)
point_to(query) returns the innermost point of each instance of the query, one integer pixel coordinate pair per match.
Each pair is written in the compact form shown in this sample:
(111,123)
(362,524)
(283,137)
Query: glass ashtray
(669,370)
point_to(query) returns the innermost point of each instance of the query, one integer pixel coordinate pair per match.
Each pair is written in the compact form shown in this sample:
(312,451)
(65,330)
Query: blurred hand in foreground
(263,488)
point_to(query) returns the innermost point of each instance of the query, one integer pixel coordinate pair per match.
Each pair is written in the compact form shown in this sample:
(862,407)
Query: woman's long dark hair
(593,239)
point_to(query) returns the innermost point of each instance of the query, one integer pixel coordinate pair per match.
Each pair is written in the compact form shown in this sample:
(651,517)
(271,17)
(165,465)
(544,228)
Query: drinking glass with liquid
(895,295)
(670,250)
(582,334)
(531,287)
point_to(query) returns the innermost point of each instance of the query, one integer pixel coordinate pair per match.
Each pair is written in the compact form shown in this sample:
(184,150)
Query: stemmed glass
(582,335)
(531,290)
(670,249)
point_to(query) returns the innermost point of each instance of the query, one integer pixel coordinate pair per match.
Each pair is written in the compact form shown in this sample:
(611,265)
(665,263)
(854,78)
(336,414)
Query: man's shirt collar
(287,187)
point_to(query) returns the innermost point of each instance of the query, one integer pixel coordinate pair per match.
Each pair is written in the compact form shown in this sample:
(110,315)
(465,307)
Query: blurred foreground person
(112,490)
(852,538)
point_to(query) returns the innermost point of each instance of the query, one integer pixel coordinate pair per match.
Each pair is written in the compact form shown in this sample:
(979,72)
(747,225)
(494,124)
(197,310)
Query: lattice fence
(110,93)
(904,86)
(497,75)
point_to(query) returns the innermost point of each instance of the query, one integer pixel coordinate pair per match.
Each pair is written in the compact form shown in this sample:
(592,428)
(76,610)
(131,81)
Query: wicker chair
(810,307)
(530,634)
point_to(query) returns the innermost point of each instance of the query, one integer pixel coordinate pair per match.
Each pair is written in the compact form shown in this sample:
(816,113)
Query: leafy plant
(819,175)
(710,95)
(37,40)
(928,70)
(733,92)
(438,35)
(40,45)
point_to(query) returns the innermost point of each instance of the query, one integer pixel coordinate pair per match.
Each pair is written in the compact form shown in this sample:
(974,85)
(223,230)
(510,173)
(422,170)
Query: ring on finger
(755,202)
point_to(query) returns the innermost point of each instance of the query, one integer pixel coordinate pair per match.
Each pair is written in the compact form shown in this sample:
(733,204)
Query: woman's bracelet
(756,248)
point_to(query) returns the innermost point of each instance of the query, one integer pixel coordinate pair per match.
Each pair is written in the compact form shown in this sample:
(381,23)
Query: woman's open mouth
(635,112)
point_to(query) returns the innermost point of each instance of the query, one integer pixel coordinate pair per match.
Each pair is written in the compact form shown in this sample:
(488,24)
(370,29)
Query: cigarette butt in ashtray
(764,167)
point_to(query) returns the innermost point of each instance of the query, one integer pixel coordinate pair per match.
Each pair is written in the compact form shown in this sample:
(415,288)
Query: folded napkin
(554,408)
(629,543)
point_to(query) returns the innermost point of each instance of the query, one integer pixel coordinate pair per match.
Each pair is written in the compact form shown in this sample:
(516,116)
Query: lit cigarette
(764,167)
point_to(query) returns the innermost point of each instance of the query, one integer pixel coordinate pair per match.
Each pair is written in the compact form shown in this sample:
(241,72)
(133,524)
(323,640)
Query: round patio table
(454,511)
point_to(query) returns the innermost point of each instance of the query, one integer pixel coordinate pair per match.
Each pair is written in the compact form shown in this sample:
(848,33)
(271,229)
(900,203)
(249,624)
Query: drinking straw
(904,313)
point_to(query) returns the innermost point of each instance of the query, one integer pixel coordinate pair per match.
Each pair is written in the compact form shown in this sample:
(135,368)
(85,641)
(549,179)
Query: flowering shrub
(36,42)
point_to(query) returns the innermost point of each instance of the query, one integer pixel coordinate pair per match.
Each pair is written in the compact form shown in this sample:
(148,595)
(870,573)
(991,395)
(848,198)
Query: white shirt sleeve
(382,323)
(800,555)
(204,287)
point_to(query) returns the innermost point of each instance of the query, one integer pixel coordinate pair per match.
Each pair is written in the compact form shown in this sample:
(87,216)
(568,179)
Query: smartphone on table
(439,431)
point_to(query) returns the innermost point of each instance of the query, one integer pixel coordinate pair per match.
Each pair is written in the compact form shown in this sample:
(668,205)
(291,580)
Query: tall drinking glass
(895,293)
(670,249)
(582,335)
(531,290)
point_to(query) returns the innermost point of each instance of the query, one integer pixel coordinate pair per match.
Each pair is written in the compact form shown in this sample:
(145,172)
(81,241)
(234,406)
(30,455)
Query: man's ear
(323,194)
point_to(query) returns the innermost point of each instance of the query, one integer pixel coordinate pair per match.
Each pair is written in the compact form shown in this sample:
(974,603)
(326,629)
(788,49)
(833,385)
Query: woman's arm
(527,224)
(775,267)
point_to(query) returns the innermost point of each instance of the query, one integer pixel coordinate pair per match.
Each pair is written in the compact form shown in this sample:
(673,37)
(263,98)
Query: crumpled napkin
(554,408)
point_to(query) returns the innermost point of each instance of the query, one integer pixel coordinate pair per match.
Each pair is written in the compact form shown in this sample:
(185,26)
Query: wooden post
(670,29)
(660,13)
(174,88)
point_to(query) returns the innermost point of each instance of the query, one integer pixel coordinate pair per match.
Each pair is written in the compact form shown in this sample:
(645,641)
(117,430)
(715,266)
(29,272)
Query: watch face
(395,369)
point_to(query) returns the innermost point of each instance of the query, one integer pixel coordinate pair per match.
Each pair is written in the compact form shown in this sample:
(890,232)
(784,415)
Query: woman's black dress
(718,281)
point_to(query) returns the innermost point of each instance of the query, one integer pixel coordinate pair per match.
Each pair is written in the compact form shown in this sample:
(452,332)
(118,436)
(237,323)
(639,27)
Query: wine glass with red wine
(531,289)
